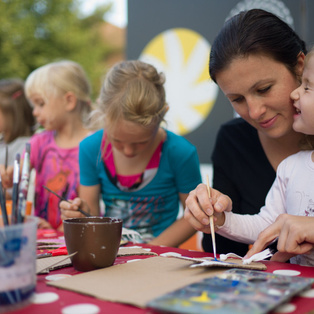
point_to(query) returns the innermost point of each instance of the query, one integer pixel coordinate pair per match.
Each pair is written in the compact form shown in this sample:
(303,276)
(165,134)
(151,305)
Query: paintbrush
(3,192)
(6,163)
(211,222)
(23,190)
(64,199)
(3,205)
(16,177)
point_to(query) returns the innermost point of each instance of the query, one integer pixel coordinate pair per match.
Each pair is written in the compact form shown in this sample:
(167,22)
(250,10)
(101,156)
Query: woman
(257,61)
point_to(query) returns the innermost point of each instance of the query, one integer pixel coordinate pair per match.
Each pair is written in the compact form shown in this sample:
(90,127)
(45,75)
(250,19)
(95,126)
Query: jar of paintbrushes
(18,233)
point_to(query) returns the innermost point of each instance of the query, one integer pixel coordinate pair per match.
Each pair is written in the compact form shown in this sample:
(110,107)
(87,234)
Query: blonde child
(17,123)
(141,170)
(60,95)
(291,193)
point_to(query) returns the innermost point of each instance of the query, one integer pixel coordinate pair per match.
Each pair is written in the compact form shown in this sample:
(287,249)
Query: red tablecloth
(64,298)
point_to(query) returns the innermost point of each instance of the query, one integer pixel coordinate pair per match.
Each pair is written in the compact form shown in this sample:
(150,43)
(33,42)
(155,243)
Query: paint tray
(234,291)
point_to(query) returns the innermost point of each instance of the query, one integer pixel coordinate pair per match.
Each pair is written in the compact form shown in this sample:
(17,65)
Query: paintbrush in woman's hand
(211,222)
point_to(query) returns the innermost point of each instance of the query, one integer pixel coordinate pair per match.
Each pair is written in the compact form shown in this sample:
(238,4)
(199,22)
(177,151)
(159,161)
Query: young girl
(60,95)
(292,191)
(141,170)
(16,119)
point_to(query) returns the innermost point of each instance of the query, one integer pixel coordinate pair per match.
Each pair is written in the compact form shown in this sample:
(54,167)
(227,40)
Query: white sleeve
(246,228)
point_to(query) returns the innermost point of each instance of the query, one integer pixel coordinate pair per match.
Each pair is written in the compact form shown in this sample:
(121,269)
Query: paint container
(95,240)
(17,264)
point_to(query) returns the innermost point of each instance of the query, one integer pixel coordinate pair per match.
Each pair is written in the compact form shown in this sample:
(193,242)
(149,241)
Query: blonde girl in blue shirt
(141,170)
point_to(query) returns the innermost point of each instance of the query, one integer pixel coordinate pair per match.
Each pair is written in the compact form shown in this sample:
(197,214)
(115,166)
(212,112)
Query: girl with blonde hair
(141,169)
(60,95)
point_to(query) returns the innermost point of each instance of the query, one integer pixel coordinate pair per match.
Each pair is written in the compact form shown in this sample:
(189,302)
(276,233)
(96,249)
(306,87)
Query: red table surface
(67,298)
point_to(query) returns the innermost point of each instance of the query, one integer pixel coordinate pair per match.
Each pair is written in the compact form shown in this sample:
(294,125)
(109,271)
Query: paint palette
(234,291)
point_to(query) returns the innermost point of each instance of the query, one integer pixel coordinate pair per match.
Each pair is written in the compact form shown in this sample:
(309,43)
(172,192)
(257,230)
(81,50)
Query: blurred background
(36,32)
(175,36)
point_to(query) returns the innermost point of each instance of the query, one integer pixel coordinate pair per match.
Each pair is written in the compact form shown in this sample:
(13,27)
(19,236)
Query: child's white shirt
(292,192)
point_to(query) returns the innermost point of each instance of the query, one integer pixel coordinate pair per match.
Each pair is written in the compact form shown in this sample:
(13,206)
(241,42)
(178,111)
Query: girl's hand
(70,209)
(60,228)
(6,176)
(43,224)
(295,236)
(199,207)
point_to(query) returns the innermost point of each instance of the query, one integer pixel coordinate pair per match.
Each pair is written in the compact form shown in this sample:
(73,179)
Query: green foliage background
(36,32)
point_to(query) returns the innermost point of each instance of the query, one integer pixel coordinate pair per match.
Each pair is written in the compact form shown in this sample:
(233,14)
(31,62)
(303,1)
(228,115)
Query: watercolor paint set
(234,291)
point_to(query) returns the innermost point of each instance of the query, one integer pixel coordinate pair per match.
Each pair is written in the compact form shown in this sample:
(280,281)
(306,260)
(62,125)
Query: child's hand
(60,228)
(69,209)
(6,176)
(43,224)
(199,207)
(295,236)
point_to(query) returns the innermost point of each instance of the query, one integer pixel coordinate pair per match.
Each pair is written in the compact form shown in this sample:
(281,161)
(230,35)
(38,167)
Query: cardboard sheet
(128,251)
(137,282)
(44,265)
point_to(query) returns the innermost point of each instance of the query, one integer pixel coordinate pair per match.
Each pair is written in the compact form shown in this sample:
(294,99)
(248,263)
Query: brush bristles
(28,148)
(17,157)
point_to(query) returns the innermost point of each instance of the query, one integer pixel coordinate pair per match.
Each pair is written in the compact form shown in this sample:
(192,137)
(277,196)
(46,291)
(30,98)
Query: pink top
(129,181)
(58,169)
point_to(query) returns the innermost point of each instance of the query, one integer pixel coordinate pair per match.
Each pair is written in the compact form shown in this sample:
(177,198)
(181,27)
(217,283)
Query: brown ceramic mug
(95,239)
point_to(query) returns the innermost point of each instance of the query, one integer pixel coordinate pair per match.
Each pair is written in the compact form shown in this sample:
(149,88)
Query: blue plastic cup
(17,264)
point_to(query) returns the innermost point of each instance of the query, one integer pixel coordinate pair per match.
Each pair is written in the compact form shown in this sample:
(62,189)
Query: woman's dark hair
(255,32)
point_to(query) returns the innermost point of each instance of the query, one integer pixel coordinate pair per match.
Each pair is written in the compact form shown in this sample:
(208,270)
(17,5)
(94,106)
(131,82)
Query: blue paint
(13,297)
(224,262)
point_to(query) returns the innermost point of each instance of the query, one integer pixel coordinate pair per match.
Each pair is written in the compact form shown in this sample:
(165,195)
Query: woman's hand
(69,209)
(295,236)
(199,206)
